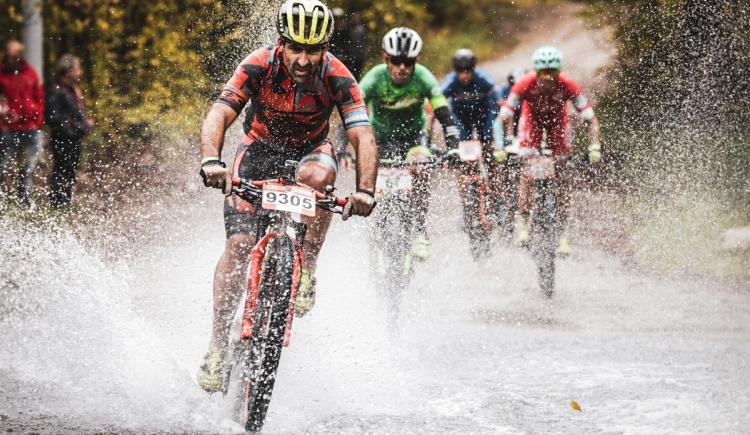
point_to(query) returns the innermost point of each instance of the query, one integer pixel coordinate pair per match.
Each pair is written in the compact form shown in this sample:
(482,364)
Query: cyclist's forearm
(219,118)
(508,126)
(445,117)
(366,150)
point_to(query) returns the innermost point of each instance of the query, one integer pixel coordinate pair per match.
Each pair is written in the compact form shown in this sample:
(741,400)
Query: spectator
(349,45)
(349,41)
(68,126)
(20,118)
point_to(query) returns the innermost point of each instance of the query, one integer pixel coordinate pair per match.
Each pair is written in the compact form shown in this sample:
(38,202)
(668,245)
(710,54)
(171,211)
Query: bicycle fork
(257,256)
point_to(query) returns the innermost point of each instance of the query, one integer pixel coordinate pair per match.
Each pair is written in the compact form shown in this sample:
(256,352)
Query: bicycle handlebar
(393,163)
(254,188)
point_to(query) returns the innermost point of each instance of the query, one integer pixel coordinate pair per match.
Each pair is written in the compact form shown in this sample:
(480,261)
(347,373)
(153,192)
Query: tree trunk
(32,34)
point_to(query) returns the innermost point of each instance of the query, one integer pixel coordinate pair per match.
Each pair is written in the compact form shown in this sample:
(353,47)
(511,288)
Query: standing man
(349,41)
(68,126)
(292,87)
(23,117)
(545,94)
(349,45)
(396,92)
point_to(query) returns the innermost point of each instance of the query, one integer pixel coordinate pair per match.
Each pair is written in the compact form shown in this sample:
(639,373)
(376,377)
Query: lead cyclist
(292,87)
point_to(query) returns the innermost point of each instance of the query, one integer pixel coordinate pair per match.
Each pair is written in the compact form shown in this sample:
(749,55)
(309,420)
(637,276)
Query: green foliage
(10,20)
(151,67)
(143,70)
(679,79)
(445,25)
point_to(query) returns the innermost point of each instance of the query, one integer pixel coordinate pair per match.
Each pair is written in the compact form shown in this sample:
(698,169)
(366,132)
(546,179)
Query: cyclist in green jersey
(395,93)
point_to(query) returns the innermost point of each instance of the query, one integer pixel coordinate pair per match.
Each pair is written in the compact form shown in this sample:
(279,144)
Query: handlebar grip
(341,202)
(236,181)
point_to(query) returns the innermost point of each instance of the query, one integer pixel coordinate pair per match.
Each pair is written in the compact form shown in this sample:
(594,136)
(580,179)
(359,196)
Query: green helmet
(547,57)
(306,22)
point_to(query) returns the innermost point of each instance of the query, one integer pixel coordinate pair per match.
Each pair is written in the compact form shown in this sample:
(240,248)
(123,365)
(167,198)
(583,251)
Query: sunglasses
(402,60)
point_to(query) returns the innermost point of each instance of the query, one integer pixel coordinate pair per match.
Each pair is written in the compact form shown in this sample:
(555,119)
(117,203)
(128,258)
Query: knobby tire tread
(276,285)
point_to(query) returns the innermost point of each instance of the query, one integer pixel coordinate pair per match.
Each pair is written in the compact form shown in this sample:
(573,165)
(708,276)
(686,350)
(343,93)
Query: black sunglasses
(402,60)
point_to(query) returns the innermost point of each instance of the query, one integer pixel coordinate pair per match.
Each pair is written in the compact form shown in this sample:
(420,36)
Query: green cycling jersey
(397,111)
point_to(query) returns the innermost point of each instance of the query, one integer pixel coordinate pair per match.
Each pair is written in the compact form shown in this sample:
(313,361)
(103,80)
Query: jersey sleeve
(246,80)
(575,94)
(513,101)
(347,95)
(487,85)
(448,86)
(431,88)
(367,86)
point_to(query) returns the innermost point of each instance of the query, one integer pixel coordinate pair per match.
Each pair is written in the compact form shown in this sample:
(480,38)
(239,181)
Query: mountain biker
(474,98)
(395,92)
(292,87)
(544,94)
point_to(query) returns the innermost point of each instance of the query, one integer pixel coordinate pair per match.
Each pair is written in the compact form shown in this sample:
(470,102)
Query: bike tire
(545,233)
(267,340)
(479,237)
(391,236)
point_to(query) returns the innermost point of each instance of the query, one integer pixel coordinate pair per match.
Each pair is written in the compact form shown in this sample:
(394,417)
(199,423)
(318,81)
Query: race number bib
(293,199)
(540,168)
(470,150)
(393,180)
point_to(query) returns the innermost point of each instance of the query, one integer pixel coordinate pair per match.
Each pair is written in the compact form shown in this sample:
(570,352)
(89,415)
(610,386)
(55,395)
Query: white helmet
(547,58)
(402,41)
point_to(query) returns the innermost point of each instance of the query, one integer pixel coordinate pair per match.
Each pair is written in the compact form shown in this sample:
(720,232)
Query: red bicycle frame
(325,201)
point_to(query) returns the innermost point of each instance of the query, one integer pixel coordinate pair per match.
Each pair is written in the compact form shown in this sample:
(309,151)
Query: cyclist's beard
(299,74)
(547,85)
(402,77)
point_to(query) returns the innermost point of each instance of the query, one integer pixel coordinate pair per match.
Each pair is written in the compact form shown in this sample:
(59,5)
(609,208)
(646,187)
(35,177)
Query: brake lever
(330,205)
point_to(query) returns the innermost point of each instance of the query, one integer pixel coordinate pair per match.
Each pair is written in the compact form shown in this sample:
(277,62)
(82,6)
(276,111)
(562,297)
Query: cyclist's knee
(316,175)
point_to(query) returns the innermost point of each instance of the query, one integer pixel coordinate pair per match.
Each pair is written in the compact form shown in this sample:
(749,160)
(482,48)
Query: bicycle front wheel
(269,325)
(545,234)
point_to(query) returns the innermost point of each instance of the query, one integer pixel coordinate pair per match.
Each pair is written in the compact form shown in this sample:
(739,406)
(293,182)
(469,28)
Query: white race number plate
(293,199)
(470,150)
(393,180)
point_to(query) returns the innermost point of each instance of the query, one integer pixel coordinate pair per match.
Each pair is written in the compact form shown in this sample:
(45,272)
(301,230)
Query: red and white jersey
(546,108)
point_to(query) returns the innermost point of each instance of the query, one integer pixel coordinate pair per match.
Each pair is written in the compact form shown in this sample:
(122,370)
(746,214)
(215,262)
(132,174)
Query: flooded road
(103,328)
(113,345)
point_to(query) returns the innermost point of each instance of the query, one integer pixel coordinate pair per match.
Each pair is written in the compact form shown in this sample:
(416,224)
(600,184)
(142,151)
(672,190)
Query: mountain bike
(540,170)
(507,202)
(392,230)
(474,187)
(264,325)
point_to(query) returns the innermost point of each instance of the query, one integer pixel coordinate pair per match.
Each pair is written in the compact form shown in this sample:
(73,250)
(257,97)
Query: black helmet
(464,60)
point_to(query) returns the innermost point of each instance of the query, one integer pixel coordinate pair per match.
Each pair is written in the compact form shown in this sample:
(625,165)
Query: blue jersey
(478,98)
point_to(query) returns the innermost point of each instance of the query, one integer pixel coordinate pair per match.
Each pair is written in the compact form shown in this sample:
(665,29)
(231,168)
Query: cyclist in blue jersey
(475,99)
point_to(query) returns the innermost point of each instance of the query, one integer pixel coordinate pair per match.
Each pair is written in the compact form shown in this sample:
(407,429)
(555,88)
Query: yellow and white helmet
(306,22)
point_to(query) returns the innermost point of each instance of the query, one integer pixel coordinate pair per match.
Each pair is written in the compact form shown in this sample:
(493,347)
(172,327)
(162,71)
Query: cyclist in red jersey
(292,87)
(544,95)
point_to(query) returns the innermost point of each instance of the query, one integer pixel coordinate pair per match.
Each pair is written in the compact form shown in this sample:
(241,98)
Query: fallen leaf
(575,405)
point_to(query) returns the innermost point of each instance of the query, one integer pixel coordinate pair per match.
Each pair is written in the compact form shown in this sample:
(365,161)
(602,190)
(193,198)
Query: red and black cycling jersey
(290,114)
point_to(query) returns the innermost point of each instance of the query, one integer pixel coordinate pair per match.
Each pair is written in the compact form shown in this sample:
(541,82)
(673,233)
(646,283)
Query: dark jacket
(64,112)
(24,96)
(349,44)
